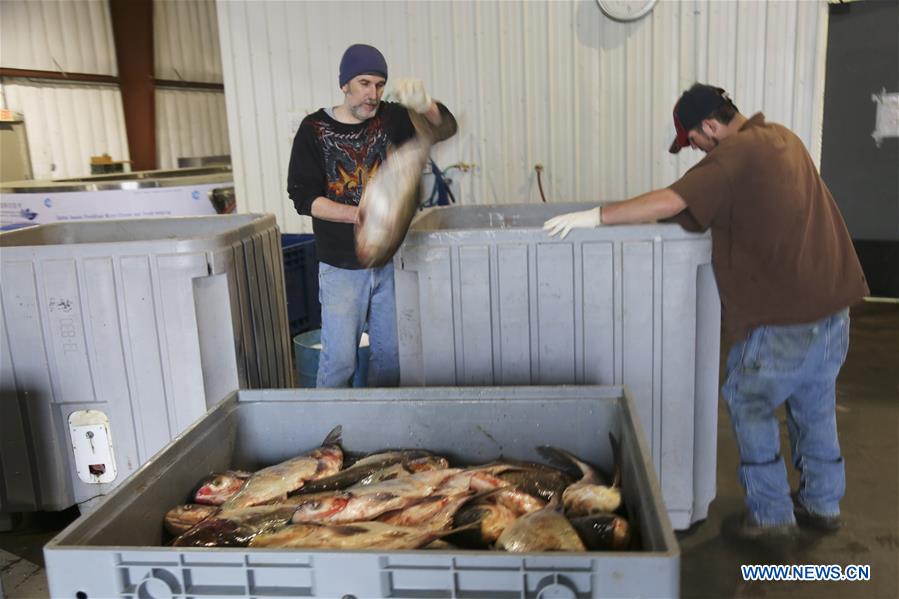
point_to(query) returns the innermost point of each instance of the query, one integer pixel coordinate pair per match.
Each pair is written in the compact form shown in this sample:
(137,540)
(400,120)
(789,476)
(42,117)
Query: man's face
(703,137)
(362,94)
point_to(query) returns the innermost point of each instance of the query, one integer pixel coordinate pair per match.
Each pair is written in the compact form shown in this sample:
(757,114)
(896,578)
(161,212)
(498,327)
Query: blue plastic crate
(304,312)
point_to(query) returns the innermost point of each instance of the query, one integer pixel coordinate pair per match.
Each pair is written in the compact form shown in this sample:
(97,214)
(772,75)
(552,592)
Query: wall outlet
(92,444)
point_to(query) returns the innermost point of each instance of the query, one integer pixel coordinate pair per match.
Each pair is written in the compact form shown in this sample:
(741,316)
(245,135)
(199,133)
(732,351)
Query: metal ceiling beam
(132,32)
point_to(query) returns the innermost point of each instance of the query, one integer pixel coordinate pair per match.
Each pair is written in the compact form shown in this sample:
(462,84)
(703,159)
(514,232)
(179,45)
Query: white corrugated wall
(186,44)
(74,36)
(549,82)
(186,41)
(65,123)
(189,123)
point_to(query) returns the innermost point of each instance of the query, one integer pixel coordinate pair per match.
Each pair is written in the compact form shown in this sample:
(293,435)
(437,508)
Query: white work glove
(411,94)
(564,223)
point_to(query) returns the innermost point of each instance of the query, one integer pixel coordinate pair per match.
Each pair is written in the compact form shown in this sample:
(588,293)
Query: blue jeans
(353,301)
(796,365)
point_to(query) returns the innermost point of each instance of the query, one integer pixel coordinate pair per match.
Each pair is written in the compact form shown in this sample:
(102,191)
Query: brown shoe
(804,517)
(751,530)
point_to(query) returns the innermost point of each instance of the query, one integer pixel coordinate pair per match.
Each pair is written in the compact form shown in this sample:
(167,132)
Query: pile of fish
(408,499)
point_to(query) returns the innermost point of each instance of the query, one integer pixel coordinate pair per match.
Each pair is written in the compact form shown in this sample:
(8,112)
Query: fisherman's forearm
(325,209)
(433,114)
(442,120)
(655,205)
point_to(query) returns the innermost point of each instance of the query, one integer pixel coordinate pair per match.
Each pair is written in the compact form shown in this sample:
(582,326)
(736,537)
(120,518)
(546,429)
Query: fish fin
(335,436)
(476,524)
(485,494)
(616,460)
(557,456)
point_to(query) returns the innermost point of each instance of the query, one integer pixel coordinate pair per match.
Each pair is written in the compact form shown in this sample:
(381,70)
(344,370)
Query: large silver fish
(378,467)
(235,528)
(364,502)
(537,479)
(358,535)
(391,197)
(275,482)
(370,501)
(544,530)
(434,512)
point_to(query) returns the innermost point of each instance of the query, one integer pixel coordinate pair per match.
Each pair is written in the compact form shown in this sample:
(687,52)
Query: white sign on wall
(17,209)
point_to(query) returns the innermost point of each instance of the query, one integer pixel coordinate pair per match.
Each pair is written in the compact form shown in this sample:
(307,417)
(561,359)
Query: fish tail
(616,460)
(562,457)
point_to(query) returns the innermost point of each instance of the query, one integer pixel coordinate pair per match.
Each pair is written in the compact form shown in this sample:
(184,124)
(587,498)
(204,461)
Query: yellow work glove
(564,223)
(411,94)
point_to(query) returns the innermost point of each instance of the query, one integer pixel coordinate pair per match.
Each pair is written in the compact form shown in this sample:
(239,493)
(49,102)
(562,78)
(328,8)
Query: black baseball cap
(694,105)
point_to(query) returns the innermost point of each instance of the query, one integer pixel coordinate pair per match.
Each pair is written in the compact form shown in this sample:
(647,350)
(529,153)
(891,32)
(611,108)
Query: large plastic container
(307,348)
(115,551)
(486,297)
(304,311)
(127,330)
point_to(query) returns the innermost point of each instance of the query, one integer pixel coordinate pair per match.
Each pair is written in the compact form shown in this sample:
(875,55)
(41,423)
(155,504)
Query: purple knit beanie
(361,59)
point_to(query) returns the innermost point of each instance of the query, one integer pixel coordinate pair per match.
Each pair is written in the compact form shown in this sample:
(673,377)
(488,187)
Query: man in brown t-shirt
(786,272)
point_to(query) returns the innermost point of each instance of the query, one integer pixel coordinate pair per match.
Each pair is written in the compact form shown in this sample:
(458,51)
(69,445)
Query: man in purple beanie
(335,152)
(786,271)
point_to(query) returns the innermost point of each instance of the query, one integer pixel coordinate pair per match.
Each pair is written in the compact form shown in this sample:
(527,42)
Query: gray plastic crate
(486,297)
(115,552)
(146,321)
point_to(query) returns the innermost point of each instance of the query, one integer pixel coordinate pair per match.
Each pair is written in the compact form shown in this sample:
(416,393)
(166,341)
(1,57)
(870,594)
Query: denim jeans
(354,301)
(796,365)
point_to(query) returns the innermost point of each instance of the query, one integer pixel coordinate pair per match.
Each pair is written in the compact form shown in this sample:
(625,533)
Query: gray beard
(359,115)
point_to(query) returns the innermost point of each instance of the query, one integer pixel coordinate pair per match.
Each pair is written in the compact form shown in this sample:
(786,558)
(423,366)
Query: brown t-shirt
(780,249)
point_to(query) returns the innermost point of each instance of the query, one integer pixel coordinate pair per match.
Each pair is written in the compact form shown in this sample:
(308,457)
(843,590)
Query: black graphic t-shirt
(334,160)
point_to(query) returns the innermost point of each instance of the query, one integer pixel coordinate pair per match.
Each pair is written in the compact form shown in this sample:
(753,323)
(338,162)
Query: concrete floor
(868,415)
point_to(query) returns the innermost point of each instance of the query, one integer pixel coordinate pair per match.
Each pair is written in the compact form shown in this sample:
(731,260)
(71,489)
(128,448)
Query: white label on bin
(74,206)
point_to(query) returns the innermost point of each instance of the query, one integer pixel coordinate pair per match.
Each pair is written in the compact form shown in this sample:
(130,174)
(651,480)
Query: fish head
(320,508)
(182,518)
(218,488)
(603,531)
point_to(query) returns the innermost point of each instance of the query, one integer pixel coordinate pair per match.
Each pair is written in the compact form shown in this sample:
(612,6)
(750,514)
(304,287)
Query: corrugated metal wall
(75,36)
(548,82)
(186,41)
(186,45)
(48,35)
(189,123)
(67,124)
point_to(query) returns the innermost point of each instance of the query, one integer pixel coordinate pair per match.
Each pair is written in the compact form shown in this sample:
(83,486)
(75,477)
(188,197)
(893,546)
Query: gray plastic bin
(115,552)
(486,297)
(128,330)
